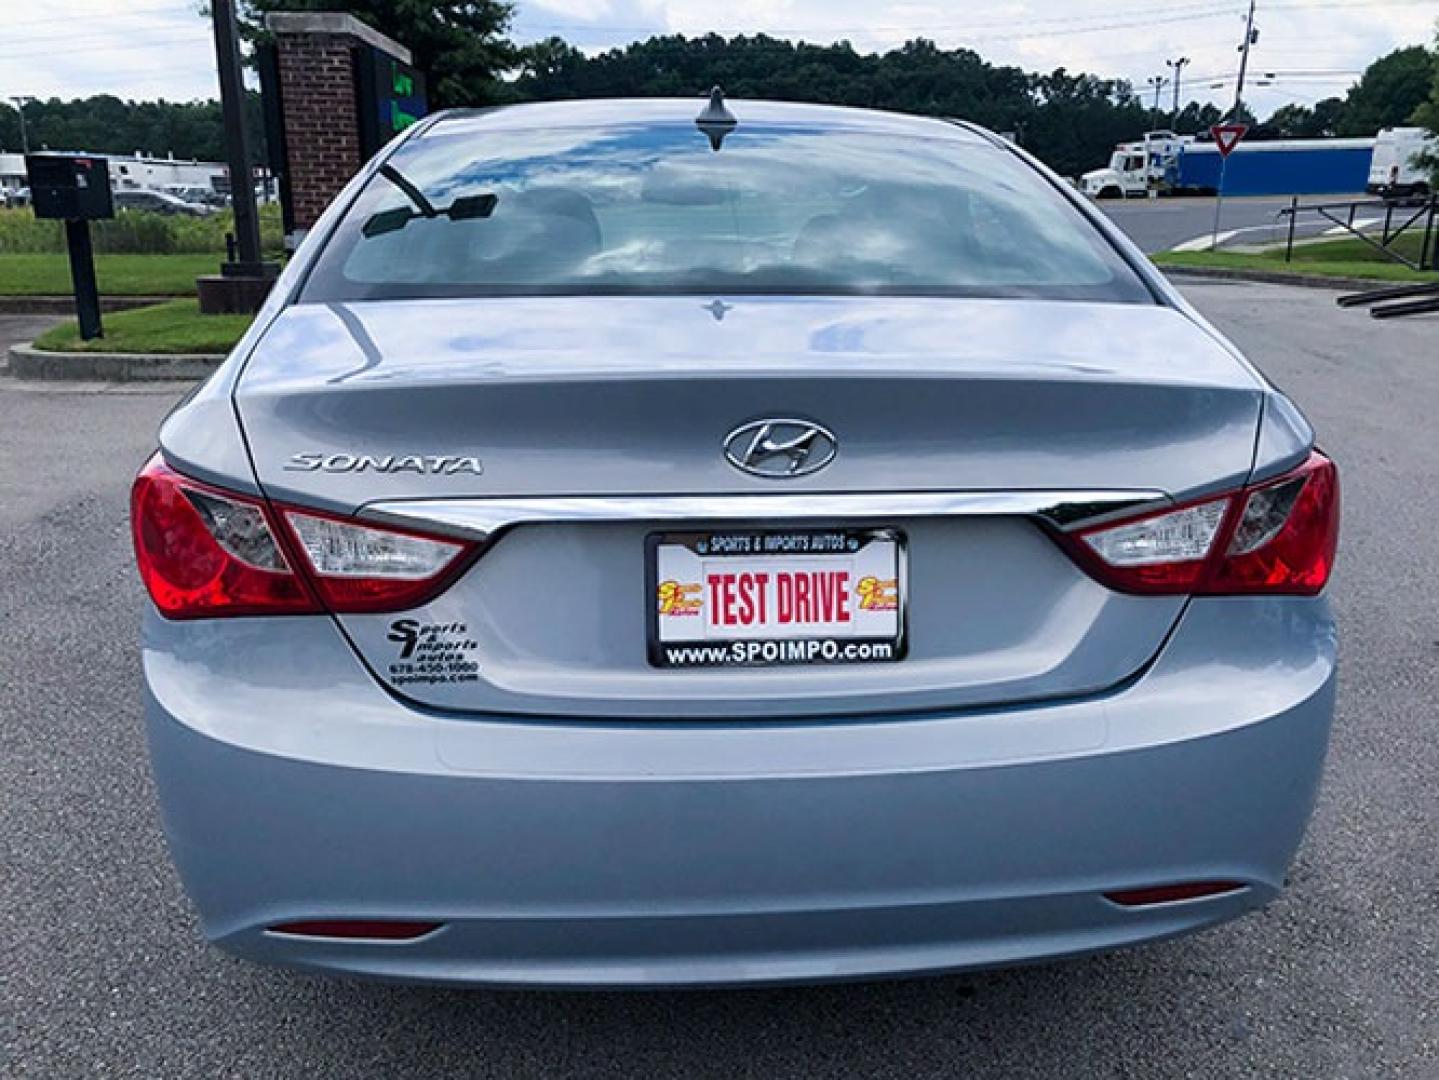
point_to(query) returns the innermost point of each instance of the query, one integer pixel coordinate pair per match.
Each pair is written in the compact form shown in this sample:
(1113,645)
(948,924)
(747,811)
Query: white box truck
(1395,169)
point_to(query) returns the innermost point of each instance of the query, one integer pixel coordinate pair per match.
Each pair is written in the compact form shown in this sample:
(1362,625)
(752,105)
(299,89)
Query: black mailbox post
(76,190)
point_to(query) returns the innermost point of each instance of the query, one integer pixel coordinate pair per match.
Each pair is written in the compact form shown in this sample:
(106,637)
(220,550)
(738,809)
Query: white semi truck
(1135,168)
(1169,164)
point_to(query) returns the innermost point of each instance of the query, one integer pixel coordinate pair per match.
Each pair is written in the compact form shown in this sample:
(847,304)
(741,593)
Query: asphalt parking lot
(1160,224)
(104,972)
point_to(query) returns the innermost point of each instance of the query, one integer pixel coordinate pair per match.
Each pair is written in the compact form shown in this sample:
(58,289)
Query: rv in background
(157,174)
(12,179)
(1394,170)
(135,172)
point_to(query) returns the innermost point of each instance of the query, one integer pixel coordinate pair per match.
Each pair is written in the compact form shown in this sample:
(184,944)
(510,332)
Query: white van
(1394,169)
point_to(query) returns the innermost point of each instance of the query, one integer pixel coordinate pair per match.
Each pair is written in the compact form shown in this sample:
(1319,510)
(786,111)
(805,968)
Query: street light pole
(1178,66)
(20,103)
(1158,82)
(237,153)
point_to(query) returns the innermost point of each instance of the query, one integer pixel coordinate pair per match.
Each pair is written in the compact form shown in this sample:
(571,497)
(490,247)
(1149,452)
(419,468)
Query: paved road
(102,971)
(1160,224)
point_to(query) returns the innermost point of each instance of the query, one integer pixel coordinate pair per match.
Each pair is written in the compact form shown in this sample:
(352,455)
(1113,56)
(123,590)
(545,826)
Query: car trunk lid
(446,408)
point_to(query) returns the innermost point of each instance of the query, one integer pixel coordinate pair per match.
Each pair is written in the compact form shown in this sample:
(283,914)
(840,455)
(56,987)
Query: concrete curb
(65,305)
(31,363)
(1271,277)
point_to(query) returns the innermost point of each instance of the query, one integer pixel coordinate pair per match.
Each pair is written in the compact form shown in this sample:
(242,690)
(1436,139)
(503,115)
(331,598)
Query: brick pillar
(317,56)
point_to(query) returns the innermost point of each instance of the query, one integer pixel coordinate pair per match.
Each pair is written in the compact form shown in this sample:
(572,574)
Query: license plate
(761,598)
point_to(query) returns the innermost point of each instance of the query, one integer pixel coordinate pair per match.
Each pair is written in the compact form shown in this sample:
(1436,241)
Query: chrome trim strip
(479,519)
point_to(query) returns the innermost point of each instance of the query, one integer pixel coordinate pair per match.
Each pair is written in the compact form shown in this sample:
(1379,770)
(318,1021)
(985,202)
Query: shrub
(19,231)
(136,232)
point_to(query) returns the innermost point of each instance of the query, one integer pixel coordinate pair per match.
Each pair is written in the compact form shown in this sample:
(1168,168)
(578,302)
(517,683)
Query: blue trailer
(1280,167)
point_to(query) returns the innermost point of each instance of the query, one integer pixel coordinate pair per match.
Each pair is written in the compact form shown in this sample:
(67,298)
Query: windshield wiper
(414,194)
(466,207)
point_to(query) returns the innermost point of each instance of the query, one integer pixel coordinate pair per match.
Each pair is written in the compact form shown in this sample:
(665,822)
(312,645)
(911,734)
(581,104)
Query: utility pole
(1178,68)
(1158,82)
(1251,35)
(20,103)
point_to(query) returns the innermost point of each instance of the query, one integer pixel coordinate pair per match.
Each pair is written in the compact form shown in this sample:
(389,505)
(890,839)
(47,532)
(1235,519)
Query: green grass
(1228,260)
(1348,249)
(173,327)
(46,274)
(1346,257)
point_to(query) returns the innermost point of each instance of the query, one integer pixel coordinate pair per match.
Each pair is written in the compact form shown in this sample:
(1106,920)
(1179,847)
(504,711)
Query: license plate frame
(862,546)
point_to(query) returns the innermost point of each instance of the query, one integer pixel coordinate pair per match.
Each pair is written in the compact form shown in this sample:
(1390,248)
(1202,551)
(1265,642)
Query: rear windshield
(653,209)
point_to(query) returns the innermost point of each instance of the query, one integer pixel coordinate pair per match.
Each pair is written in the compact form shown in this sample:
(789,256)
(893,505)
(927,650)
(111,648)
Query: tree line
(109,125)
(1071,120)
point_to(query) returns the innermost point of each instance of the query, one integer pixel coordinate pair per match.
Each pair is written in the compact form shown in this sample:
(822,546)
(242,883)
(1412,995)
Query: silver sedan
(657,543)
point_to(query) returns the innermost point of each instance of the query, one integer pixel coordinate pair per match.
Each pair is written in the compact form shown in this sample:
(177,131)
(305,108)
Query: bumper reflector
(357,929)
(1169,894)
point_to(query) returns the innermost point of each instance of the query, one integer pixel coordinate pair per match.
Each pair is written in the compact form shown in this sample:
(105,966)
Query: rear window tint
(652,209)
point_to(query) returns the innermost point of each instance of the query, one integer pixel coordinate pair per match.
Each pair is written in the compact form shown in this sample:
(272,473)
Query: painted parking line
(1359,224)
(1207,241)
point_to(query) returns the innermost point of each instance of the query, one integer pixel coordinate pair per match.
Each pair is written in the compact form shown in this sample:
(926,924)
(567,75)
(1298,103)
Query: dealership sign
(391,94)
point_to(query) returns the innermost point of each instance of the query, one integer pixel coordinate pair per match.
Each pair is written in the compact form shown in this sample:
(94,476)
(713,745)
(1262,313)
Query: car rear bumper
(655,853)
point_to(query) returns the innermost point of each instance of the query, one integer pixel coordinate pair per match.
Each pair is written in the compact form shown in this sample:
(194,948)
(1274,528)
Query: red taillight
(1286,535)
(205,552)
(1276,537)
(357,929)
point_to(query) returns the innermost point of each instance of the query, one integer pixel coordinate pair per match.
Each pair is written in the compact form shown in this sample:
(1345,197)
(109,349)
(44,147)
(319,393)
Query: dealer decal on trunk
(432,654)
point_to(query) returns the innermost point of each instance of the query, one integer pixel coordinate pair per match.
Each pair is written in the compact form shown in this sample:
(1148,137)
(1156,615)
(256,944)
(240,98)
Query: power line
(785,49)
(1360,8)
(1038,29)
(1261,88)
(1186,10)
(1177,13)
(1282,73)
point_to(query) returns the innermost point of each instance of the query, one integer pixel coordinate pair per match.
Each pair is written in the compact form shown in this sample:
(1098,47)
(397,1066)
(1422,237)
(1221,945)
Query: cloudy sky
(1314,48)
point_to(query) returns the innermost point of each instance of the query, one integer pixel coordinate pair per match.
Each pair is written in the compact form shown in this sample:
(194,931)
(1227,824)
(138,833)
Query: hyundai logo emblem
(780,448)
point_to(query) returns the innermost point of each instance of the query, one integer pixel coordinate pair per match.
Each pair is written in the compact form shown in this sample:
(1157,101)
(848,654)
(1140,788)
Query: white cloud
(132,48)
(155,48)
